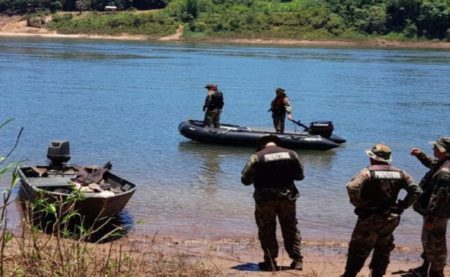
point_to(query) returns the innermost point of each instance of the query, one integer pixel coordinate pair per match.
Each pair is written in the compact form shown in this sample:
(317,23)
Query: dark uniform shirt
(273,171)
(214,100)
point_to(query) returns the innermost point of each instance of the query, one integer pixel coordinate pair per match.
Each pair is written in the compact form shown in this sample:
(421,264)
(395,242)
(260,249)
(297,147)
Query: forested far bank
(258,19)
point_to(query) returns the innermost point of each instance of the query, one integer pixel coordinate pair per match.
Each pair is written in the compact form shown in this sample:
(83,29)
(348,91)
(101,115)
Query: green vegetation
(65,250)
(292,19)
(150,24)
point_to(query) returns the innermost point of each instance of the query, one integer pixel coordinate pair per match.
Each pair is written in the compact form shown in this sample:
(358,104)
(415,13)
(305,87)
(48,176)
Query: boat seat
(51,182)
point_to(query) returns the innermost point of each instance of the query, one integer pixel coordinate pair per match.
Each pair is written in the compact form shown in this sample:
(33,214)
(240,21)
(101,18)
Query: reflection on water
(122,102)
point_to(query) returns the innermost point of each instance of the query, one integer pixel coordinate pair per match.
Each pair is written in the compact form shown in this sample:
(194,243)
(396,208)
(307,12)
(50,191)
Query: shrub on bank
(151,24)
(65,250)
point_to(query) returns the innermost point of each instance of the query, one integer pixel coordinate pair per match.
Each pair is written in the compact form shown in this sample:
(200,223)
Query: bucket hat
(380,152)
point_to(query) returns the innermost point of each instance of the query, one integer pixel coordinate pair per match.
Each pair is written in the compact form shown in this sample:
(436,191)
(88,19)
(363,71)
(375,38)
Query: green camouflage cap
(443,144)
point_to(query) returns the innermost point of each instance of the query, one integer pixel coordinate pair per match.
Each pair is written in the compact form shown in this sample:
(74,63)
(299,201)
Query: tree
(399,11)
(434,19)
(82,5)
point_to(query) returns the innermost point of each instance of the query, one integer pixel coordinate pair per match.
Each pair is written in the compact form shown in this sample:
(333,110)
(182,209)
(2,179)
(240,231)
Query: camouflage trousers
(278,123)
(372,233)
(266,213)
(435,244)
(212,117)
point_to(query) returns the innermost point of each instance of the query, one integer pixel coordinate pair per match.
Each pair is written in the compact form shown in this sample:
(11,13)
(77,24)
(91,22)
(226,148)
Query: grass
(68,250)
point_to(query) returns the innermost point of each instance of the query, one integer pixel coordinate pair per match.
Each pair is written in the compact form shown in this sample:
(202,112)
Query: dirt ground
(16,26)
(240,256)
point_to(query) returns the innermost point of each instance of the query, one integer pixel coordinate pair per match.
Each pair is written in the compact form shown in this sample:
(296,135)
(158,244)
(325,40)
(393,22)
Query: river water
(122,102)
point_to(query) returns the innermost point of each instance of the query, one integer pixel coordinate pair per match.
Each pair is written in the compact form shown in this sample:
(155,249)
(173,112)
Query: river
(122,102)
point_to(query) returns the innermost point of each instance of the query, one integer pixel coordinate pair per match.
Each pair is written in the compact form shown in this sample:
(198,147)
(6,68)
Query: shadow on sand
(254,267)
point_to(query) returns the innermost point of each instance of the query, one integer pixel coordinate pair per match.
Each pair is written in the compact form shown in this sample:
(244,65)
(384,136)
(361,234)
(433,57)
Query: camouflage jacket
(375,189)
(436,188)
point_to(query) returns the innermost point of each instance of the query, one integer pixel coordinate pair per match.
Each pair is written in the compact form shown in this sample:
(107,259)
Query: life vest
(277,105)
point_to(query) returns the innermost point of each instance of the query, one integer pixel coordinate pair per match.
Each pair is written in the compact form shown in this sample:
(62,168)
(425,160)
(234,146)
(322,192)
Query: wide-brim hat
(380,152)
(443,144)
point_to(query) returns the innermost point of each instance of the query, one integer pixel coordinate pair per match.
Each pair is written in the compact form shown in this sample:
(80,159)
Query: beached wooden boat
(318,137)
(57,183)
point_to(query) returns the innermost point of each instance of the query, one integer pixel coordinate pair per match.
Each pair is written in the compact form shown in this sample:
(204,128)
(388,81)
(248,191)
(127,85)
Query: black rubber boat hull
(235,135)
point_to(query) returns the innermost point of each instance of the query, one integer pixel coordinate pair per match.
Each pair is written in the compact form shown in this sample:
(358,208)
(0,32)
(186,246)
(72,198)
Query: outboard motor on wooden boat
(58,153)
(322,128)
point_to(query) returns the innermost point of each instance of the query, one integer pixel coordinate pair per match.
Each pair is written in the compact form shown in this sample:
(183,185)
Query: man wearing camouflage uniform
(374,192)
(272,170)
(213,106)
(280,106)
(434,206)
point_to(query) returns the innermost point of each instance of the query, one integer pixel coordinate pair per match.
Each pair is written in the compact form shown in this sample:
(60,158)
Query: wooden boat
(318,136)
(56,184)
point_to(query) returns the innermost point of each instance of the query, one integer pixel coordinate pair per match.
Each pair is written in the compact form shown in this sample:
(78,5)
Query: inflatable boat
(319,135)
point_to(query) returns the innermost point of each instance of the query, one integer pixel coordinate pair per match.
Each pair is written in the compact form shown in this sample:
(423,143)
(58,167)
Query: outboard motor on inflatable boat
(322,128)
(58,153)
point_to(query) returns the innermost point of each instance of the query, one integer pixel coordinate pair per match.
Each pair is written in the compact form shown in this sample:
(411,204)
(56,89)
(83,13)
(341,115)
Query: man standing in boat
(272,170)
(374,192)
(213,106)
(279,107)
(434,206)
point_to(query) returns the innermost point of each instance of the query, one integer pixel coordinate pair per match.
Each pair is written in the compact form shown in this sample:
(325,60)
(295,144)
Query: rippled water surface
(122,102)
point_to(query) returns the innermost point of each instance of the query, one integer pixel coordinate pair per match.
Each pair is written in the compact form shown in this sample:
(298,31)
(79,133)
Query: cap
(443,144)
(279,90)
(211,86)
(380,152)
(269,138)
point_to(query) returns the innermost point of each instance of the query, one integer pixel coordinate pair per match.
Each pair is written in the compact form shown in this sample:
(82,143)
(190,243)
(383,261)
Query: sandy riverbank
(239,256)
(16,26)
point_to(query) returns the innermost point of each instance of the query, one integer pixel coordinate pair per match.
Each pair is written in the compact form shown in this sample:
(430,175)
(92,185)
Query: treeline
(297,19)
(30,6)
(314,19)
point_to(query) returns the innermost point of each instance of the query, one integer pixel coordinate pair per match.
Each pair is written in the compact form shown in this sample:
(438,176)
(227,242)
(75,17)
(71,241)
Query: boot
(297,265)
(268,266)
(349,274)
(436,273)
(374,273)
(421,270)
(353,266)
